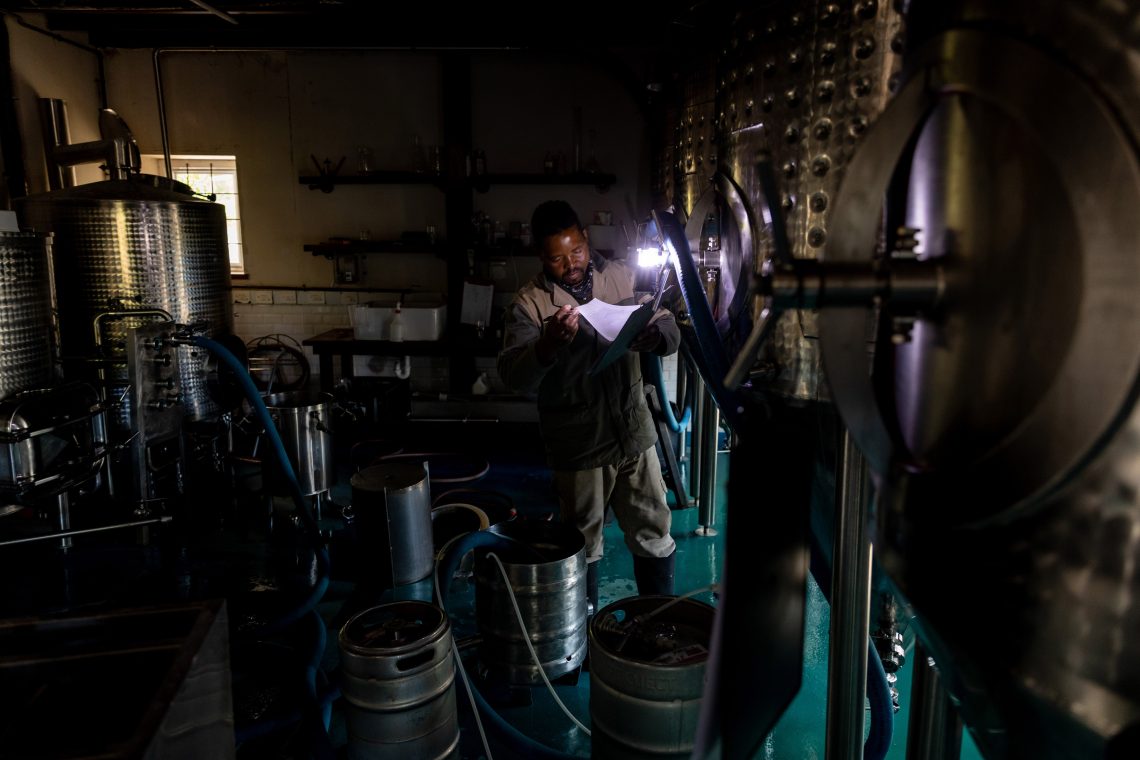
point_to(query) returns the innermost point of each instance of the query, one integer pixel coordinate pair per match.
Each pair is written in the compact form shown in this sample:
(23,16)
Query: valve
(908,284)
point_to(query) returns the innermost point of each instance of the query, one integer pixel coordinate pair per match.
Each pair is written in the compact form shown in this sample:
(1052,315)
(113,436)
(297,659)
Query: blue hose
(708,351)
(515,740)
(651,366)
(254,396)
(308,605)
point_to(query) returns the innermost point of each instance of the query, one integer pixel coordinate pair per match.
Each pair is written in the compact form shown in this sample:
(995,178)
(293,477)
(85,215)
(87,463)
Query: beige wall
(45,68)
(273,110)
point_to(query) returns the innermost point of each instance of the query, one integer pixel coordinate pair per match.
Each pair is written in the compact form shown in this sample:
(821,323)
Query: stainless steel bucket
(392,511)
(546,565)
(647,673)
(398,681)
(305,427)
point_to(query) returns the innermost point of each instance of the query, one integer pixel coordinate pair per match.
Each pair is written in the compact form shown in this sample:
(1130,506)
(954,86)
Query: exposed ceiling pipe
(211,9)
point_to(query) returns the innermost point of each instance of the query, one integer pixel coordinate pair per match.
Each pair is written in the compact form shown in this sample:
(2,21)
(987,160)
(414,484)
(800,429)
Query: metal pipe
(710,438)
(54,126)
(935,729)
(850,606)
(67,534)
(215,11)
(700,401)
(64,504)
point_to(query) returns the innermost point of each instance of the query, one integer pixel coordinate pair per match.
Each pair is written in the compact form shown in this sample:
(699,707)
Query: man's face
(565,255)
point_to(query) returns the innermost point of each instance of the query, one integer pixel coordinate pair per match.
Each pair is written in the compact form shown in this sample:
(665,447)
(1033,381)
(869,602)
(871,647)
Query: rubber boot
(654,575)
(592,589)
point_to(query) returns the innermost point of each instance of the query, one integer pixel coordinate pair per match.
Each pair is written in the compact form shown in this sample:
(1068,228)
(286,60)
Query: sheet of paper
(606,318)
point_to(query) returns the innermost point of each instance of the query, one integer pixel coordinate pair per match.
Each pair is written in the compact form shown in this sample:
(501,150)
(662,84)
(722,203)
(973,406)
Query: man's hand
(557,331)
(649,339)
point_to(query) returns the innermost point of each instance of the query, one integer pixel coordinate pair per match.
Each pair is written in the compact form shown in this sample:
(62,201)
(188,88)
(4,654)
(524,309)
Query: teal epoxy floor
(799,735)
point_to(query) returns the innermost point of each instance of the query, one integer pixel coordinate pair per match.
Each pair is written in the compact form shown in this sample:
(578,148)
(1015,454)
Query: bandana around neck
(584,290)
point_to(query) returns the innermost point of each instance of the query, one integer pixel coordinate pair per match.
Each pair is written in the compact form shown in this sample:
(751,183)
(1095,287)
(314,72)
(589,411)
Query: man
(598,433)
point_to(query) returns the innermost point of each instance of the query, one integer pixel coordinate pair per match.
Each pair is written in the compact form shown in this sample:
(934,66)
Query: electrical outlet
(312,297)
(284,296)
(263,296)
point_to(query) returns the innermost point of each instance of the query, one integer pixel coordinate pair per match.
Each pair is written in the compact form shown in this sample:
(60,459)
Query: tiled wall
(302,314)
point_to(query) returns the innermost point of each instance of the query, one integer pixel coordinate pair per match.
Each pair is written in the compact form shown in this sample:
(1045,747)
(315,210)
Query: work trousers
(635,489)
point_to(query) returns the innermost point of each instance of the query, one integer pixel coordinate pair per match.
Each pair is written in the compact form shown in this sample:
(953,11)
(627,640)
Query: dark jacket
(586,421)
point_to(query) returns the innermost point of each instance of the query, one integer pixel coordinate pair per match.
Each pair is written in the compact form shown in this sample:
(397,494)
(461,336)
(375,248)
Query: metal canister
(305,427)
(546,566)
(392,512)
(398,681)
(648,656)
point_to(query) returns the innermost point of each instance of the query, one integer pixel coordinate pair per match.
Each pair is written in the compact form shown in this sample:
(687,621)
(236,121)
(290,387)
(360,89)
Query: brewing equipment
(305,426)
(126,252)
(26,359)
(648,656)
(546,571)
(803,90)
(974,284)
(398,681)
(391,508)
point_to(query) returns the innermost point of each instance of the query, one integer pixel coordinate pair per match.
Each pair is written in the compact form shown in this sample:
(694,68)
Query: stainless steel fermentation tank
(976,285)
(140,244)
(801,83)
(26,358)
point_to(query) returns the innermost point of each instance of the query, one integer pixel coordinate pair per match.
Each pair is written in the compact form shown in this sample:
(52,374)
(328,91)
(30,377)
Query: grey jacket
(586,421)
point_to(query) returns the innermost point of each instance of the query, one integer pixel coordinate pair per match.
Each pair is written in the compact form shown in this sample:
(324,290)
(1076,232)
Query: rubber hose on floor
(302,504)
(517,741)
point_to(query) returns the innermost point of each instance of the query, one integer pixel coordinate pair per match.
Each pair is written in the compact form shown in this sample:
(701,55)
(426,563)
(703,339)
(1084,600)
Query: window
(209,175)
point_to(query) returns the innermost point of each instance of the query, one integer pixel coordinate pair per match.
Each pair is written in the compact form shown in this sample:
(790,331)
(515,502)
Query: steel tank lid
(393,627)
(661,631)
(140,187)
(533,542)
(390,476)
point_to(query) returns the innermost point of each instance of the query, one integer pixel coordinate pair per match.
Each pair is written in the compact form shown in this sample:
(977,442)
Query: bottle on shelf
(396,326)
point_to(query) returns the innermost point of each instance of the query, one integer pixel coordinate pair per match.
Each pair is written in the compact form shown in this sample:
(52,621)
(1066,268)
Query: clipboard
(633,326)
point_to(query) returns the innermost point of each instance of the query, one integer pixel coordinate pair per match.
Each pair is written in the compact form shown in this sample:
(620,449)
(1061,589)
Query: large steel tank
(801,84)
(1006,428)
(135,244)
(25,313)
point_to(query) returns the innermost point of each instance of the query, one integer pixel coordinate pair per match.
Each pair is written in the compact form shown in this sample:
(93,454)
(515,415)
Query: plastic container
(421,319)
